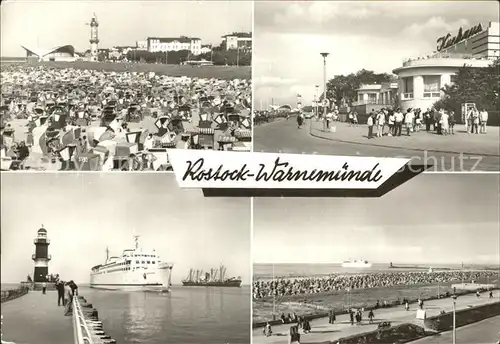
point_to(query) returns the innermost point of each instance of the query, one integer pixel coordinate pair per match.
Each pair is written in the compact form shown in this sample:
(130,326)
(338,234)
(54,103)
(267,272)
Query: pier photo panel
(110,85)
(417,80)
(421,264)
(140,259)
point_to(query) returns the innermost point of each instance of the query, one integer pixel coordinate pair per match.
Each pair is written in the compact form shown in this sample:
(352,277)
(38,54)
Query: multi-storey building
(165,44)
(237,40)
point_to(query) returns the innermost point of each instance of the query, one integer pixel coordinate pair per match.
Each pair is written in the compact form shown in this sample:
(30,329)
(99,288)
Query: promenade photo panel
(109,87)
(415,80)
(383,270)
(136,257)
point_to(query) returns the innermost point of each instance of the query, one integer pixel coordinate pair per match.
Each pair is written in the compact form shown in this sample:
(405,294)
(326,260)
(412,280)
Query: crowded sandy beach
(63,118)
(318,294)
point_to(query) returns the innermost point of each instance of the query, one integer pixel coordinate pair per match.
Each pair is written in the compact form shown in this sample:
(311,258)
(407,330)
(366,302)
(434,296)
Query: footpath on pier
(35,318)
(323,332)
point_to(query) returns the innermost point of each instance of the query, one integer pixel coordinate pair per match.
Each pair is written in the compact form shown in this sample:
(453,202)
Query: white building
(380,94)
(237,40)
(59,53)
(421,79)
(142,45)
(157,44)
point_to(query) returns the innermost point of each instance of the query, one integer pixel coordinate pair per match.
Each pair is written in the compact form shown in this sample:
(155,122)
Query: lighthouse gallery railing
(81,331)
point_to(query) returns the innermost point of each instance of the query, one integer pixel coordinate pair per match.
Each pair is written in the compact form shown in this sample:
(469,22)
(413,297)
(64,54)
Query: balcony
(371,102)
(49,257)
(41,241)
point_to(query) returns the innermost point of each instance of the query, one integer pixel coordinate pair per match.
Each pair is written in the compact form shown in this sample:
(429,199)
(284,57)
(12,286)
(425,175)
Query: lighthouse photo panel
(110,86)
(140,259)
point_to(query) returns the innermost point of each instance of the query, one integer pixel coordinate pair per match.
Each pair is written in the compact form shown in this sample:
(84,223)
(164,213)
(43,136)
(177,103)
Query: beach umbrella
(41,121)
(66,153)
(246,123)
(134,136)
(162,122)
(220,119)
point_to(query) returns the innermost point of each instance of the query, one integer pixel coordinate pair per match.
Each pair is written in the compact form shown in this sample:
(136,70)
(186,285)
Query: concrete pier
(35,318)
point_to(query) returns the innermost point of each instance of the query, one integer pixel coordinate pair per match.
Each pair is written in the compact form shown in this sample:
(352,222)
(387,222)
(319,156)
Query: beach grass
(218,72)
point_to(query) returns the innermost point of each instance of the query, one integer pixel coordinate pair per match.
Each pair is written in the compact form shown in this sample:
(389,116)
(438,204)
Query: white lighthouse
(94,38)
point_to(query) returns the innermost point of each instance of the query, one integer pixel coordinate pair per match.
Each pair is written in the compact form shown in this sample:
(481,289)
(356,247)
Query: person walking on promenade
(451,122)
(407,306)
(267,330)
(483,120)
(444,123)
(398,122)
(371,316)
(474,121)
(477,294)
(410,116)
(60,293)
(68,299)
(390,120)
(300,120)
(355,119)
(380,123)
(370,126)
(351,316)
(74,288)
(44,288)
(491,294)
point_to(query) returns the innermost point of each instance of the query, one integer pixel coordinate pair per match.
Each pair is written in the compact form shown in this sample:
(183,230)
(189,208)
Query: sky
(433,218)
(121,23)
(376,35)
(84,213)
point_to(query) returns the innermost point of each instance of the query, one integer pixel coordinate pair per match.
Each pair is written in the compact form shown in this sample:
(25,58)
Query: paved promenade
(323,331)
(36,319)
(441,151)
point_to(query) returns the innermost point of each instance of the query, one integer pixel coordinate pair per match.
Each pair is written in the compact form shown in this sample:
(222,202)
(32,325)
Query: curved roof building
(59,53)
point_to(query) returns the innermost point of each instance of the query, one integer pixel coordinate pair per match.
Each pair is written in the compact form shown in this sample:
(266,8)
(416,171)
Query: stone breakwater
(12,294)
(86,324)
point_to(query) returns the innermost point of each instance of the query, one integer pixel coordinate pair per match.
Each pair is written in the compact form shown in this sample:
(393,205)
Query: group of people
(90,98)
(388,122)
(313,285)
(65,293)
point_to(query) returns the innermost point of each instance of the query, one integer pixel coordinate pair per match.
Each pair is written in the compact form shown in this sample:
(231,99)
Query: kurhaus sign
(447,41)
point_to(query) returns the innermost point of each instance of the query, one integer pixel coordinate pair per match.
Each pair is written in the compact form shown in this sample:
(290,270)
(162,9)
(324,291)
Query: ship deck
(36,319)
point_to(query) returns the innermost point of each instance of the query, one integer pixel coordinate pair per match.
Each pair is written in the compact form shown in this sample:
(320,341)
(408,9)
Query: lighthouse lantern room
(41,257)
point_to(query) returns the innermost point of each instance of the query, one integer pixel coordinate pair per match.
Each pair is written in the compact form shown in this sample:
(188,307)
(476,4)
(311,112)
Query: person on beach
(44,288)
(371,316)
(267,330)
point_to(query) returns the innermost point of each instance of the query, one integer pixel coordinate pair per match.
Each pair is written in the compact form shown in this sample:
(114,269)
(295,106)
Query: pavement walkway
(36,319)
(322,331)
(460,143)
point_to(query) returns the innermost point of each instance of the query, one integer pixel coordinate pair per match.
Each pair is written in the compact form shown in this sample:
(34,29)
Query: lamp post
(324,55)
(317,100)
(454,297)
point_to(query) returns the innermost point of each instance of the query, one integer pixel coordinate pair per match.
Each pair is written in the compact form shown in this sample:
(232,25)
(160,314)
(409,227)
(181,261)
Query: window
(137,262)
(408,88)
(453,78)
(149,262)
(153,262)
(432,86)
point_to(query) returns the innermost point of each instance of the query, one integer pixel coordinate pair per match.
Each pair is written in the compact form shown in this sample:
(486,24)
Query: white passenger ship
(136,269)
(356,264)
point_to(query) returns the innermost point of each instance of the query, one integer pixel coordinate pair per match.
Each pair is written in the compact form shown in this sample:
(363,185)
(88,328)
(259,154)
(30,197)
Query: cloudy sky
(51,23)
(433,218)
(289,37)
(84,213)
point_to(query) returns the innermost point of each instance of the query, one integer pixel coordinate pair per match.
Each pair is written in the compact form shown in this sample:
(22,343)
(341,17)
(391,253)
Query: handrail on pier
(80,329)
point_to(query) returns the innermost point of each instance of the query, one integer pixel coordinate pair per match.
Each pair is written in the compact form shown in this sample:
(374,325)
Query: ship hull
(157,279)
(356,266)
(233,284)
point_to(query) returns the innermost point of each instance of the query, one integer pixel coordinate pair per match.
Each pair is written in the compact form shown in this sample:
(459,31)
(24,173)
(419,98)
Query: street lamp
(317,100)
(454,297)
(324,81)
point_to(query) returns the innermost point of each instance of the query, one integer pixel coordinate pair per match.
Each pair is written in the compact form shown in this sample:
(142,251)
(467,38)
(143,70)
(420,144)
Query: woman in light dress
(445,125)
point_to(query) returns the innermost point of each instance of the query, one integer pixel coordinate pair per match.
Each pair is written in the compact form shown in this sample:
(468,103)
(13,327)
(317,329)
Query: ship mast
(136,241)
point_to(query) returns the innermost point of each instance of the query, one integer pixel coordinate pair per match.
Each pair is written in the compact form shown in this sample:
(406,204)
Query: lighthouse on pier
(41,257)
(94,38)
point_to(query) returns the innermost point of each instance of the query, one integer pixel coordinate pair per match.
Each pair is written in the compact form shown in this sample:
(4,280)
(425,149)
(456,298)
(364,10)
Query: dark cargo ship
(214,278)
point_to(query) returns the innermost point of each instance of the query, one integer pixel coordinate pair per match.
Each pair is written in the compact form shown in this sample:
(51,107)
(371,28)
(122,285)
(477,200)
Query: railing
(41,241)
(81,331)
